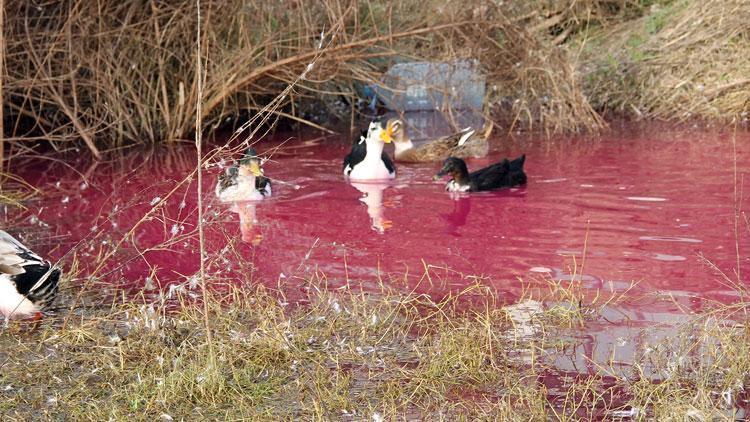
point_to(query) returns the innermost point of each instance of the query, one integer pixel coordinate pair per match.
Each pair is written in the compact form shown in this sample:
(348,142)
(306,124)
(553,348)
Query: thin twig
(199,170)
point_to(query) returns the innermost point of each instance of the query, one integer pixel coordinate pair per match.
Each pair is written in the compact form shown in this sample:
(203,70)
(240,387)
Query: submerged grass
(353,355)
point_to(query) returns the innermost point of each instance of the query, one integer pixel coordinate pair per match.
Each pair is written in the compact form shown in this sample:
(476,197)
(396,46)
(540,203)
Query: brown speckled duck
(464,144)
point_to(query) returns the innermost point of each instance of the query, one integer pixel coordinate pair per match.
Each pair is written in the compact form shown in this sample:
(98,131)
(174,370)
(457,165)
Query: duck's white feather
(242,189)
(267,190)
(402,147)
(12,302)
(452,186)
(11,261)
(15,261)
(466,136)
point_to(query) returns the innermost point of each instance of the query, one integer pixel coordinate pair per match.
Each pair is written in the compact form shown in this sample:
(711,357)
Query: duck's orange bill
(387,135)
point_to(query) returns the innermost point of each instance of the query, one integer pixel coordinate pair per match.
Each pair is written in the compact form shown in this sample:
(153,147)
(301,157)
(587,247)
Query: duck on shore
(367,160)
(504,174)
(244,181)
(464,144)
(28,283)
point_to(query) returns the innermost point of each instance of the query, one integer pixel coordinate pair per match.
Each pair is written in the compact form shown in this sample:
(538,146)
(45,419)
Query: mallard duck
(464,144)
(504,174)
(244,181)
(367,160)
(28,283)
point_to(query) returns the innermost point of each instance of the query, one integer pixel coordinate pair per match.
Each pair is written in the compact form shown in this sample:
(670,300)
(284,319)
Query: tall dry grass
(122,72)
(349,354)
(682,60)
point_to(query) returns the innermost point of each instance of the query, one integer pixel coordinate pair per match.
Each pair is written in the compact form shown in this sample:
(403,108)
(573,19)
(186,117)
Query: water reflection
(373,198)
(249,228)
(459,215)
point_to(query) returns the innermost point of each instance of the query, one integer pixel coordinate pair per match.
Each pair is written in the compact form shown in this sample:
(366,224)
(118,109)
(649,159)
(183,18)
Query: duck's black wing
(388,163)
(357,154)
(517,175)
(517,164)
(504,174)
(38,283)
(491,170)
(490,177)
(34,277)
(227,178)
(262,183)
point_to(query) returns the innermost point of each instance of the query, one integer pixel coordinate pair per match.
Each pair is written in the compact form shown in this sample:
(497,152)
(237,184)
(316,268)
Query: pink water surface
(648,204)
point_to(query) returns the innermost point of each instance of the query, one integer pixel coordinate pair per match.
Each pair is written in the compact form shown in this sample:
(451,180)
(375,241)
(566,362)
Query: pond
(651,210)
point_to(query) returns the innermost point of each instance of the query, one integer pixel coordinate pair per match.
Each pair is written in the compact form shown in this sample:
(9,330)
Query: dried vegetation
(353,355)
(680,61)
(123,72)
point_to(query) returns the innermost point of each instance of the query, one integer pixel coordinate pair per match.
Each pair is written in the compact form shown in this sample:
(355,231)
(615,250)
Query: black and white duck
(244,181)
(28,283)
(504,174)
(367,160)
(464,144)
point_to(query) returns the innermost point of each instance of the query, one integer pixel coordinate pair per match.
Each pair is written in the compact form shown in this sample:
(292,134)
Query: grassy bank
(125,73)
(682,60)
(351,355)
(122,73)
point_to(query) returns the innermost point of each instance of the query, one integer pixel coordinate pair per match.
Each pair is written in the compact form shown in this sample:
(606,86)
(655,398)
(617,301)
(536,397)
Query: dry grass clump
(14,191)
(351,355)
(123,72)
(531,82)
(344,355)
(703,370)
(686,59)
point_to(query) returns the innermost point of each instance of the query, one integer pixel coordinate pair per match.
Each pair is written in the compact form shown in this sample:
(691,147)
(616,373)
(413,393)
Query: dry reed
(123,73)
(684,60)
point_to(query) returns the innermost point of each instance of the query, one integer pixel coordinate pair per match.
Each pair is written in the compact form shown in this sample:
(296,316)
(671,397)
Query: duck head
(250,164)
(377,133)
(456,167)
(394,131)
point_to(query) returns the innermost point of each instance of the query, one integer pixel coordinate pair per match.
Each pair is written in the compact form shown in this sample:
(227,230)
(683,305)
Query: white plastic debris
(630,413)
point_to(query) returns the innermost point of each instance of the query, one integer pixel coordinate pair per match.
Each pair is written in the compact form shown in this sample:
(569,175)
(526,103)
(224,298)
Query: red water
(647,204)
